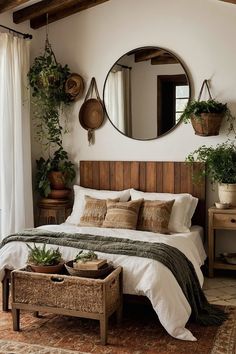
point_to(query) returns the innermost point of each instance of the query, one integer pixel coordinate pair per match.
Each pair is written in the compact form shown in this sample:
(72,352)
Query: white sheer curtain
(118,99)
(16,200)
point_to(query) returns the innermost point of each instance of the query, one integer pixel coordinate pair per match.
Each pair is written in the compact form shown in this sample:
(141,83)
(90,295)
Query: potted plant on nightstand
(42,260)
(220,167)
(206,116)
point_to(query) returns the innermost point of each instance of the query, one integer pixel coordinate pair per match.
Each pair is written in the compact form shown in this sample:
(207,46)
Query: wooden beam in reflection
(231,1)
(164,60)
(147,54)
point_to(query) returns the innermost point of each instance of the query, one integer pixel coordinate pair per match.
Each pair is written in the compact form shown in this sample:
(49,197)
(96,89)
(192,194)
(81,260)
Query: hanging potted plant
(48,79)
(206,116)
(220,167)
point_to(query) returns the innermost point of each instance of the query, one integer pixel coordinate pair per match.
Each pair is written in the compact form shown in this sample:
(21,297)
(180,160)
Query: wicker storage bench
(67,295)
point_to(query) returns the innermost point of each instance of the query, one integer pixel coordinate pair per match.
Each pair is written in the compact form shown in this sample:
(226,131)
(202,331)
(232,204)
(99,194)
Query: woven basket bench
(67,295)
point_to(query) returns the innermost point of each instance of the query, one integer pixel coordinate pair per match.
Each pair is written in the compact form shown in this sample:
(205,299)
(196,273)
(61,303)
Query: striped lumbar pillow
(122,215)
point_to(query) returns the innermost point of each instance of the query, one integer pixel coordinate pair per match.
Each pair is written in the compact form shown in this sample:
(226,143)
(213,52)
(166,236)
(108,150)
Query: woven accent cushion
(154,215)
(94,211)
(122,215)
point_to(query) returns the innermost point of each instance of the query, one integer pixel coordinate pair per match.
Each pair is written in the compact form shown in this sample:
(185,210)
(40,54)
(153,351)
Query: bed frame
(168,177)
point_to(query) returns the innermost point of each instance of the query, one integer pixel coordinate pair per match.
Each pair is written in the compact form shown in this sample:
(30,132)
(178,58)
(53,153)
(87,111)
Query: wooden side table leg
(16,319)
(119,312)
(36,314)
(5,293)
(103,329)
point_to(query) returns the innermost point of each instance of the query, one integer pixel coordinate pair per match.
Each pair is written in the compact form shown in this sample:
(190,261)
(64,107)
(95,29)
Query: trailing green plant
(85,256)
(220,162)
(196,108)
(40,256)
(47,79)
(58,162)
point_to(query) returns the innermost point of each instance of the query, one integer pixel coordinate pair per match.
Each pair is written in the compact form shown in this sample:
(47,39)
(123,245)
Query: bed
(143,277)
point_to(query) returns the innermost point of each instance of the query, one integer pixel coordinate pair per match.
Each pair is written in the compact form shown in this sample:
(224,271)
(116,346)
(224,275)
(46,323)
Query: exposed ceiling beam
(231,1)
(164,60)
(63,12)
(6,5)
(39,9)
(148,54)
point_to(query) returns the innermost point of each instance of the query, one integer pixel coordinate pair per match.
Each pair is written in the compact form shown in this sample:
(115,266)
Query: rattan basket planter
(208,124)
(67,295)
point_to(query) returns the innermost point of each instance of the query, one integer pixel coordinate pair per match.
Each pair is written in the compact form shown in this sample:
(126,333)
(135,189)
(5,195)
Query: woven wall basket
(207,124)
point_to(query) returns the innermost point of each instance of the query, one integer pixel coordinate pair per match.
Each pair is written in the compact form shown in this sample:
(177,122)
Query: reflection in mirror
(145,93)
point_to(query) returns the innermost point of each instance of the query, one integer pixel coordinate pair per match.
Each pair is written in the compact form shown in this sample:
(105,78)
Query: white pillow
(182,210)
(79,200)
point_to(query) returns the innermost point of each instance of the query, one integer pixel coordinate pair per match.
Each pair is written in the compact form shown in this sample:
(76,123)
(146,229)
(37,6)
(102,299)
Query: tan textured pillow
(122,215)
(94,211)
(154,215)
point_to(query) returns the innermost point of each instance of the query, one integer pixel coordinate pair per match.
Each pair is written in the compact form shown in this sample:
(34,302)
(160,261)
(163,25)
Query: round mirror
(145,93)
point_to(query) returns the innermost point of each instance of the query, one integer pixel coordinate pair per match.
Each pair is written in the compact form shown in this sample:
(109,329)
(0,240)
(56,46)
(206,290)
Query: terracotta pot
(53,269)
(57,180)
(227,193)
(60,193)
(208,124)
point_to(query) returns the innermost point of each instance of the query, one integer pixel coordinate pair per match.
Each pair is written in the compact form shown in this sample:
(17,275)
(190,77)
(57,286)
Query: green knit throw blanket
(182,269)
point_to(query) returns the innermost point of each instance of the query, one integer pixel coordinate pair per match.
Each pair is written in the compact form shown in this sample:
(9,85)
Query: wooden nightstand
(53,211)
(219,219)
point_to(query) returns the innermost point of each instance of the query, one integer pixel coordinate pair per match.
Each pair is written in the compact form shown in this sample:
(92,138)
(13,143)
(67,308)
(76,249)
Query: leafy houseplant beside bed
(220,163)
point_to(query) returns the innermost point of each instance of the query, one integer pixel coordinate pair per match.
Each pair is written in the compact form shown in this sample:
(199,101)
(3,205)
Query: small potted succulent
(220,167)
(44,260)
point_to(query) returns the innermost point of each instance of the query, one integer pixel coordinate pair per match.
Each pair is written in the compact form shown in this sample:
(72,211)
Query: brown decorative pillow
(94,211)
(122,215)
(154,215)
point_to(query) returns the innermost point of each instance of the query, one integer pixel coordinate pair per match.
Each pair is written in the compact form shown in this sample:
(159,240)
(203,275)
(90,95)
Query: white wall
(200,32)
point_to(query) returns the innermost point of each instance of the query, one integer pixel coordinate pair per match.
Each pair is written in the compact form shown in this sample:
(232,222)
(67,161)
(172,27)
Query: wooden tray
(103,271)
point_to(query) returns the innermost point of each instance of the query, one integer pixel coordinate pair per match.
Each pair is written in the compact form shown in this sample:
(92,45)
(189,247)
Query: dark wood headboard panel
(168,177)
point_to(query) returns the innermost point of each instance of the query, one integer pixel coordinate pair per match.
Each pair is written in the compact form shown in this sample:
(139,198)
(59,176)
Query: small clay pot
(53,269)
(57,180)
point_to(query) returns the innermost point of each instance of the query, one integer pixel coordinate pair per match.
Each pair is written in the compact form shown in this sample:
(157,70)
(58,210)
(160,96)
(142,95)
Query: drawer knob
(233,220)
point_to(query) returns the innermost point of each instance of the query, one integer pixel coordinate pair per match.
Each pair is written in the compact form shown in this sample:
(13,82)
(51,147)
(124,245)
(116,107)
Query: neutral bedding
(142,276)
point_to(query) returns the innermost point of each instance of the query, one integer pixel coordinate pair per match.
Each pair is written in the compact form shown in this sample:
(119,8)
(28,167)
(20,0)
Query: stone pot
(227,193)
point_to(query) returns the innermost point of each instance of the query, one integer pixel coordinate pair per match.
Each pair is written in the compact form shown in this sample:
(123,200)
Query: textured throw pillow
(122,215)
(154,215)
(182,211)
(79,200)
(94,211)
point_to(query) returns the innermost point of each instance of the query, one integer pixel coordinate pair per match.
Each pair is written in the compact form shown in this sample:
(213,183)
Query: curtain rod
(25,35)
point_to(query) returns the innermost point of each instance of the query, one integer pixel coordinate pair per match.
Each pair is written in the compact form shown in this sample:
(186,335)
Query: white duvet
(142,276)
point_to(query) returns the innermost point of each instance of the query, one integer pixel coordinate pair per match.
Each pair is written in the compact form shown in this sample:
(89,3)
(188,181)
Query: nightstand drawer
(225,221)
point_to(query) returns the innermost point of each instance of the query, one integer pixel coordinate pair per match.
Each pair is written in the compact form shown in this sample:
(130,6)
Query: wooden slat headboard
(152,176)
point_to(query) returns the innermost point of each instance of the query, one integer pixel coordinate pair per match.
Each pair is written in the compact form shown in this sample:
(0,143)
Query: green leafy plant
(58,162)
(85,256)
(220,162)
(196,108)
(47,79)
(40,256)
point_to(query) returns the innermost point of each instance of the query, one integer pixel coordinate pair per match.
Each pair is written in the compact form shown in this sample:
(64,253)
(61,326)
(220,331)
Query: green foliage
(47,79)
(41,256)
(195,108)
(86,256)
(59,162)
(220,161)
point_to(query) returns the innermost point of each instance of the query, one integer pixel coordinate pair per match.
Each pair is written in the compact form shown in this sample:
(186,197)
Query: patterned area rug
(139,333)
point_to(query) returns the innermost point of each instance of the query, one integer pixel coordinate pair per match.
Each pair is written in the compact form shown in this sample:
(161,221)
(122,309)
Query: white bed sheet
(141,276)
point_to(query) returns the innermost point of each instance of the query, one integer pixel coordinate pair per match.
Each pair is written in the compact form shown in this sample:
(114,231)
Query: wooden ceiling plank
(40,21)
(231,1)
(39,9)
(164,60)
(6,5)
(148,54)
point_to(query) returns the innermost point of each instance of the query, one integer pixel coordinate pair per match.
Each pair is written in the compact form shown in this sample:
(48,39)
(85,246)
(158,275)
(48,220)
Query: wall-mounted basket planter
(208,124)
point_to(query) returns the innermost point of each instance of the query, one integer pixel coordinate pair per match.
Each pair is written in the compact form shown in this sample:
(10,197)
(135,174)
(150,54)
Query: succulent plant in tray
(44,260)
(85,256)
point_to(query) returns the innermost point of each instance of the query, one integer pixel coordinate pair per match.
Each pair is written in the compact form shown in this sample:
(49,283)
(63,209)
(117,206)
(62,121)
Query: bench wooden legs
(5,292)
(16,319)
(103,329)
